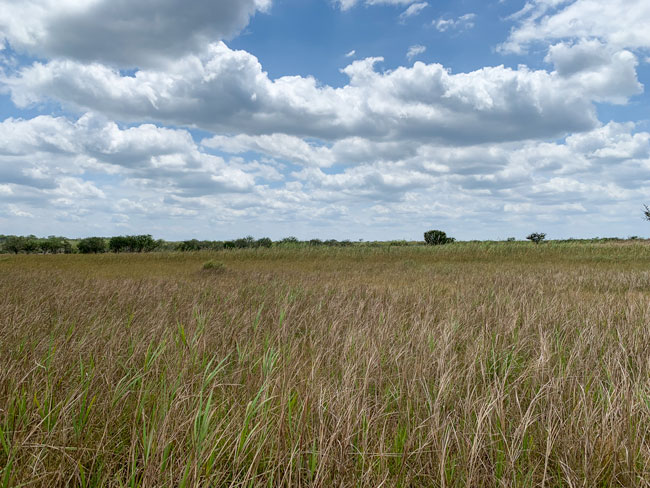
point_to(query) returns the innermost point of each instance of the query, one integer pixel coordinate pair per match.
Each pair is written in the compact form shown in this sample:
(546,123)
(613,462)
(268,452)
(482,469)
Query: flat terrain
(504,364)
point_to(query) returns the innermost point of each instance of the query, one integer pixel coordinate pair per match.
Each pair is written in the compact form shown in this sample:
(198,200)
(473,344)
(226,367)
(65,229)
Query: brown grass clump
(464,365)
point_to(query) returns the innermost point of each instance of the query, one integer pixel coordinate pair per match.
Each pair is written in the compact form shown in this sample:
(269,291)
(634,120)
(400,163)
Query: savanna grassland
(504,364)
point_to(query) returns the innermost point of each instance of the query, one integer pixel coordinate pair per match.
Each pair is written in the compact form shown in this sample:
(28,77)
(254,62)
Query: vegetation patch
(214,266)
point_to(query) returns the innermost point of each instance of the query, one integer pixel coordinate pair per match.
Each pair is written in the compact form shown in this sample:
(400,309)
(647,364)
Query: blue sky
(350,119)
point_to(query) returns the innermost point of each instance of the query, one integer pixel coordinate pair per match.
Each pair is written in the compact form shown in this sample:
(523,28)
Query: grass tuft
(214,266)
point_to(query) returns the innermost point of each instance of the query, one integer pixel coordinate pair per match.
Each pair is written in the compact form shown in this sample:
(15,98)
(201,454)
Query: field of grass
(504,364)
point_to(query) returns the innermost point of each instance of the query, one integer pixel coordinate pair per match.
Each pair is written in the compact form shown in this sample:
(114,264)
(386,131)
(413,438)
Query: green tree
(263,242)
(536,237)
(437,238)
(14,244)
(91,245)
(118,244)
(52,245)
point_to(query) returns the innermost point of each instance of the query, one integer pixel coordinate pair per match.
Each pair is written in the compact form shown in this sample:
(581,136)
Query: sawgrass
(472,364)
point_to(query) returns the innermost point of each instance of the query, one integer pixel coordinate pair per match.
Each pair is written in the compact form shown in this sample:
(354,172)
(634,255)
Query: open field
(504,364)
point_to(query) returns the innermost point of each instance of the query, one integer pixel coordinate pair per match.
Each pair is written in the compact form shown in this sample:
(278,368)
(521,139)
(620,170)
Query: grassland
(464,365)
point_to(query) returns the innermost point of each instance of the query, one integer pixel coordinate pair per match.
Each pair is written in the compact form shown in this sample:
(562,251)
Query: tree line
(145,243)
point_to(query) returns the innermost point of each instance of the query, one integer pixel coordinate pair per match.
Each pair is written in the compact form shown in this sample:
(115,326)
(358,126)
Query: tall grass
(464,365)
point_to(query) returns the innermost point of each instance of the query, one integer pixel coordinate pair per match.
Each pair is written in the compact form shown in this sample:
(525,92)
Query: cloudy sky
(347,119)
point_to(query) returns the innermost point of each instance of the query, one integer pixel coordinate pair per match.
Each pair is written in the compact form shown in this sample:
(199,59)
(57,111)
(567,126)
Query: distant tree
(229,245)
(14,244)
(67,247)
(244,242)
(91,245)
(511,239)
(437,238)
(118,244)
(142,243)
(52,245)
(31,245)
(191,245)
(263,242)
(289,240)
(315,242)
(536,237)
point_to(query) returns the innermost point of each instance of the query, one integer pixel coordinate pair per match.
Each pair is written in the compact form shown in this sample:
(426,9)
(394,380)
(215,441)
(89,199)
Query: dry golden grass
(466,365)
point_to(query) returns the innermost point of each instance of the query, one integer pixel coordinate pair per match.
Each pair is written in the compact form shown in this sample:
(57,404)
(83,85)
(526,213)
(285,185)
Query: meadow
(465,365)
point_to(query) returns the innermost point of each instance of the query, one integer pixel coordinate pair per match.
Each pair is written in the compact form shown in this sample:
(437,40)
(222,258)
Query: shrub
(191,245)
(91,245)
(290,240)
(264,242)
(536,237)
(437,238)
(141,243)
(214,266)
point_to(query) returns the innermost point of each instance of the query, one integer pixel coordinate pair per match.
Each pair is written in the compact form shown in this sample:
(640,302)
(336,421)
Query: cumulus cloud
(121,32)
(53,154)
(461,23)
(501,147)
(227,91)
(146,176)
(610,74)
(618,23)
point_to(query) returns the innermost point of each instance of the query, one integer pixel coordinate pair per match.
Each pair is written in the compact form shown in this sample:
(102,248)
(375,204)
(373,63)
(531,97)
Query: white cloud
(413,10)
(414,51)
(51,154)
(351,54)
(348,4)
(227,91)
(461,23)
(17,212)
(618,23)
(122,32)
(159,180)
(610,75)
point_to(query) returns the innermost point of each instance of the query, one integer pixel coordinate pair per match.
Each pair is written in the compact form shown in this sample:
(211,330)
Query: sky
(344,119)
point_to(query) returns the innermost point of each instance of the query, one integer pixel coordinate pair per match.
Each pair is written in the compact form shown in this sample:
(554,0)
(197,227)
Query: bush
(214,266)
(141,243)
(92,245)
(536,237)
(264,242)
(191,245)
(437,238)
